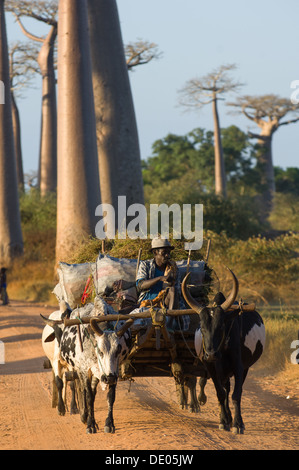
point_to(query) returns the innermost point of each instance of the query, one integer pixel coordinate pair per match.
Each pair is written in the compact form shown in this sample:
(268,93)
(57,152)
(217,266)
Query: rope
(184,339)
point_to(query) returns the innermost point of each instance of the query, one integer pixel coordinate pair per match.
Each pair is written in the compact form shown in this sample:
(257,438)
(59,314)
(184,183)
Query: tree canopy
(190,158)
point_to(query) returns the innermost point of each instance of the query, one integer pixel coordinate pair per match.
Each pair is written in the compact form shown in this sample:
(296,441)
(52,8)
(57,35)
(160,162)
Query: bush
(37,213)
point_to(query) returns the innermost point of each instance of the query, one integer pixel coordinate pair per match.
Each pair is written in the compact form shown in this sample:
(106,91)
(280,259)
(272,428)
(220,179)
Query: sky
(195,37)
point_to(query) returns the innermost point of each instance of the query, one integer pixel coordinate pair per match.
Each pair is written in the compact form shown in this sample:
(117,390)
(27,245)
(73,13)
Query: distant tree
(208,90)
(267,112)
(44,11)
(191,156)
(141,52)
(11,240)
(78,191)
(117,136)
(287,181)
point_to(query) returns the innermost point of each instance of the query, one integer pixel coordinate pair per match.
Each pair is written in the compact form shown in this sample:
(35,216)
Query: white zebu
(94,354)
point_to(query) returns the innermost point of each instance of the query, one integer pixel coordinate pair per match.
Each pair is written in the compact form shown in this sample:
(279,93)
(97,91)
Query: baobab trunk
(117,136)
(48,144)
(265,163)
(11,241)
(78,191)
(17,139)
(220,176)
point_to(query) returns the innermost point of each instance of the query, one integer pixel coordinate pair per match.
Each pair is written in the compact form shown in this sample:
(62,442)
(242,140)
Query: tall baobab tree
(209,89)
(44,11)
(78,192)
(117,137)
(23,66)
(11,241)
(268,113)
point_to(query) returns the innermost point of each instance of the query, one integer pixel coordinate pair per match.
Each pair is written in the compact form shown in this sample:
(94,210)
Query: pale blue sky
(195,37)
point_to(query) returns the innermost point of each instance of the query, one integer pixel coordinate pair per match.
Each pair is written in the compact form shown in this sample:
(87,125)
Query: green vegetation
(33,276)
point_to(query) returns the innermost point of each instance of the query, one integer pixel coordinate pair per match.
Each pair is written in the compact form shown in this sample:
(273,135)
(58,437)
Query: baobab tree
(140,53)
(23,66)
(117,137)
(78,192)
(268,113)
(199,92)
(44,11)
(11,240)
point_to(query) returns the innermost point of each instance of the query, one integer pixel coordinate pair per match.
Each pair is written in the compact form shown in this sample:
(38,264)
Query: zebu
(228,344)
(93,353)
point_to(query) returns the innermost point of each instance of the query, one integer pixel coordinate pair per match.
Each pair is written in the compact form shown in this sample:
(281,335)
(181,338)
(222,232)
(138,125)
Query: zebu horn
(124,328)
(95,327)
(233,294)
(51,322)
(225,305)
(188,297)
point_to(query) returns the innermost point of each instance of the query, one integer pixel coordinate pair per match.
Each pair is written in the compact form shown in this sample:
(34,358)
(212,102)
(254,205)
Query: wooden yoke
(144,314)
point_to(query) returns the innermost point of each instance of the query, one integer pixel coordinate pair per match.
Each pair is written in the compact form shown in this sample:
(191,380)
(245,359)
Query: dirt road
(146,418)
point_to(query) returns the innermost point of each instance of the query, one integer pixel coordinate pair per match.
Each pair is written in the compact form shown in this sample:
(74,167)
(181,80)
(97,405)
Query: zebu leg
(181,390)
(181,394)
(194,404)
(109,423)
(59,385)
(221,395)
(74,408)
(88,413)
(64,397)
(202,398)
(54,391)
(57,370)
(238,425)
(226,403)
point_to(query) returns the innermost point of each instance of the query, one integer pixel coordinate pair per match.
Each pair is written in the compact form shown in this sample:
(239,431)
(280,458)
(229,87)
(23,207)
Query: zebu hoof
(202,399)
(224,427)
(91,430)
(194,409)
(238,429)
(109,429)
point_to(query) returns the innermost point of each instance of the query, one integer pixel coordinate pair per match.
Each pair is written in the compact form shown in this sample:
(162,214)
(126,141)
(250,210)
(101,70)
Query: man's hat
(161,243)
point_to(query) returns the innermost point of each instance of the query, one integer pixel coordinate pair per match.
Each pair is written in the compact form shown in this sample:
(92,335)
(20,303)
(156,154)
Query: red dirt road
(146,418)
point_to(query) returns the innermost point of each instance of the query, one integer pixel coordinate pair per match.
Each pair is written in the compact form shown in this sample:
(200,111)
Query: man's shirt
(149,270)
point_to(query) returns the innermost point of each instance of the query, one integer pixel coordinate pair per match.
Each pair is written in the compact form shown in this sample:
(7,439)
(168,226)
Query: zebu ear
(50,338)
(124,328)
(95,327)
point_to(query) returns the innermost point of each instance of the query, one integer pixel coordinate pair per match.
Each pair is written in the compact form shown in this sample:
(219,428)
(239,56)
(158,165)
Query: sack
(196,270)
(196,281)
(107,270)
(72,281)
